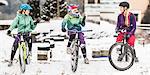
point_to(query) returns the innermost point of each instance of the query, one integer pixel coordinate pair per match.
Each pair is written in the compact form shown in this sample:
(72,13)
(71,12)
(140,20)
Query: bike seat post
(21,38)
(76,37)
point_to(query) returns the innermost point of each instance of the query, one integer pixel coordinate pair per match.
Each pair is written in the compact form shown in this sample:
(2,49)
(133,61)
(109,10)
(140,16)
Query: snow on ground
(60,63)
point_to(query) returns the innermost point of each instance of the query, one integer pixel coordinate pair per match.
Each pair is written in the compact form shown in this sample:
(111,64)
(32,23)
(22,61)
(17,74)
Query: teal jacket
(72,22)
(24,23)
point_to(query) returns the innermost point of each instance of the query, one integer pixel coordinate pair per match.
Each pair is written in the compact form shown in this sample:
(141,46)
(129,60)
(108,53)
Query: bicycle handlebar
(14,35)
(115,35)
(44,33)
(76,31)
(124,30)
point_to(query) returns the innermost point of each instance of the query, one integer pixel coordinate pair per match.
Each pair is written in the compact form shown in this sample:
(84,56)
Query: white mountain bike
(75,49)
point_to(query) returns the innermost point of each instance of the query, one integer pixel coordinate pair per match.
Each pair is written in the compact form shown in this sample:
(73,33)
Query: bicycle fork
(23,45)
(76,46)
(124,53)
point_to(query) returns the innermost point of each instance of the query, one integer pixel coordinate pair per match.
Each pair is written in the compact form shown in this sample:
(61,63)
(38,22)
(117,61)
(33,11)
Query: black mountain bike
(121,55)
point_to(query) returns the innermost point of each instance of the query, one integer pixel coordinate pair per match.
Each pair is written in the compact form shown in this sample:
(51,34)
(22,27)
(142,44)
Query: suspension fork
(123,50)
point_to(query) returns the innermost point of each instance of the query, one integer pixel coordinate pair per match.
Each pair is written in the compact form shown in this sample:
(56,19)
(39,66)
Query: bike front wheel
(121,56)
(74,58)
(22,60)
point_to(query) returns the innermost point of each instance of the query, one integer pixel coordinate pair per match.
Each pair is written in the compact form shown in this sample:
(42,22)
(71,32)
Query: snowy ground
(60,63)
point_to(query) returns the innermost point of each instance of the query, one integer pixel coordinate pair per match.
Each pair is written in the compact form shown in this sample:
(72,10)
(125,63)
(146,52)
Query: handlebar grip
(115,35)
(12,35)
(89,30)
(80,31)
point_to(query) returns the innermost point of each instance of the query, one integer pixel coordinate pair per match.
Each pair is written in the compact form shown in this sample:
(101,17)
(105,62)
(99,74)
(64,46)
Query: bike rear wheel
(22,60)
(74,57)
(121,60)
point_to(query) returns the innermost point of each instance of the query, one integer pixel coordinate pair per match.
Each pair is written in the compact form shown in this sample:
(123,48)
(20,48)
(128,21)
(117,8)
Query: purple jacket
(132,23)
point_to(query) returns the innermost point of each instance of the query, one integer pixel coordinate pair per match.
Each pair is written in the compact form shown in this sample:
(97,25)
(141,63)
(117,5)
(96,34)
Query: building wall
(139,5)
(103,9)
(136,6)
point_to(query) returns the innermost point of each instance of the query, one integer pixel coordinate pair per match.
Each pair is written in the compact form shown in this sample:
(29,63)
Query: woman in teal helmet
(24,22)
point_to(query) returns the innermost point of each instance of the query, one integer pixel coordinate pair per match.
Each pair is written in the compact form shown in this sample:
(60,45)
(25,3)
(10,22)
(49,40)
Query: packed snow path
(60,63)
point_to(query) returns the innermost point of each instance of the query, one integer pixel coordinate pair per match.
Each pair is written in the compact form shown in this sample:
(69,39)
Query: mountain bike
(24,57)
(121,55)
(75,49)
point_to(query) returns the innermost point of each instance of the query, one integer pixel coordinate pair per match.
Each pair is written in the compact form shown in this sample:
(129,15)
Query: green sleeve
(65,21)
(14,23)
(32,24)
(82,20)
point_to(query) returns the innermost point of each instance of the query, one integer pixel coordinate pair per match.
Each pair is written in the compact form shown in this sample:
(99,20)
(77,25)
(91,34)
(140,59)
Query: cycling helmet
(73,10)
(25,7)
(71,7)
(124,4)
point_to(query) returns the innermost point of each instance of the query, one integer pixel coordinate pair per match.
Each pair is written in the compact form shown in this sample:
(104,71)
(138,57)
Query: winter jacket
(132,23)
(73,22)
(24,23)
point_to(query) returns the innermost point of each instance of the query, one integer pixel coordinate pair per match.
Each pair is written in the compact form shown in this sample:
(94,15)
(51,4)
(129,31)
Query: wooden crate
(101,53)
